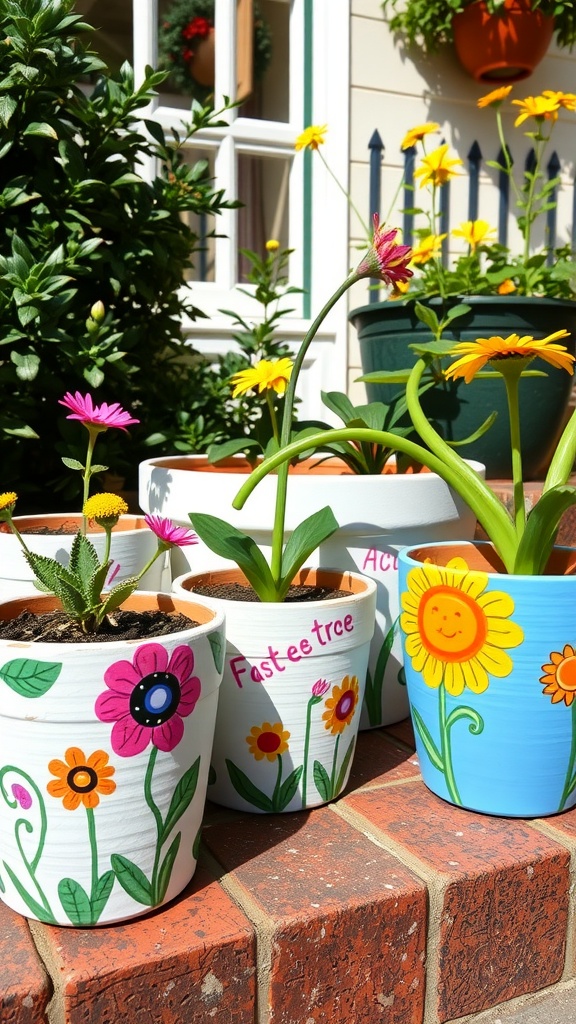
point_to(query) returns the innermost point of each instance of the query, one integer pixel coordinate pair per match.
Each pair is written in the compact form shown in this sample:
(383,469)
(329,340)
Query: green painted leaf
(181,798)
(132,879)
(322,781)
(344,766)
(166,868)
(212,776)
(37,909)
(425,736)
(196,844)
(218,644)
(246,789)
(75,902)
(101,894)
(288,789)
(30,678)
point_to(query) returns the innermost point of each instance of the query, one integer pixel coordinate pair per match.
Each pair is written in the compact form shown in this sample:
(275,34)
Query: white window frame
(328,102)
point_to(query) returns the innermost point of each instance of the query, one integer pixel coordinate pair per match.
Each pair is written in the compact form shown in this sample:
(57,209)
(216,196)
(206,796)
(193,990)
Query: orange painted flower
(428,249)
(475,354)
(507,287)
(457,630)
(437,167)
(542,108)
(494,98)
(414,135)
(560,676)
(268,741)
(475,232)
(79,779)
(341,705)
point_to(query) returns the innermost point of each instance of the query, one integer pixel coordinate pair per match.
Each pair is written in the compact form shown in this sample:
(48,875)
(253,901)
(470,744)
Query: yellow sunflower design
(456,630)
(341,705)
(560,676)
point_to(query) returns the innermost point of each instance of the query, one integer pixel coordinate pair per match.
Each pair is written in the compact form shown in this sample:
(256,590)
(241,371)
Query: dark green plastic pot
(385,330)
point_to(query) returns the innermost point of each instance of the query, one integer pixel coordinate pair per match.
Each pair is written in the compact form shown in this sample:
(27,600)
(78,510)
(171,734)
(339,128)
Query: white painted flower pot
(104,758)
(133,544)
(291,696)
(378,515)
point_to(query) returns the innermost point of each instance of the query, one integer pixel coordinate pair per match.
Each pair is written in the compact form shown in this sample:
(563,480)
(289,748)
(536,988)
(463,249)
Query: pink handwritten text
(323,633)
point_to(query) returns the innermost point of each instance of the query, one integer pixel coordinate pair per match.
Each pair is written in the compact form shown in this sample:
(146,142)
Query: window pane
(263,189)
(113,23)
(204,260)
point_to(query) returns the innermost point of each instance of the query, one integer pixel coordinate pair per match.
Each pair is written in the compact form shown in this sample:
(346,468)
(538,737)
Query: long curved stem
(445,747)
(511,381)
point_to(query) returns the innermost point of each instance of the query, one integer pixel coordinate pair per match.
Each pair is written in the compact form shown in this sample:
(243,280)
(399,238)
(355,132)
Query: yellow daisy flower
(456,630)
(543,108)
(565,99)
(507,287)
(312,137)
(414,135)
(474,232)
(8,499)
(494,98)
(475,354)
(560,676)
(428,248)
(341,705)
(265,374)
(399,291)
(79,779)
(268,741)
(437,167)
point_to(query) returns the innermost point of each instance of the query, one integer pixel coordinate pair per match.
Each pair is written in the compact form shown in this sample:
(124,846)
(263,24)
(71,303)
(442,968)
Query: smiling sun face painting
(456,631)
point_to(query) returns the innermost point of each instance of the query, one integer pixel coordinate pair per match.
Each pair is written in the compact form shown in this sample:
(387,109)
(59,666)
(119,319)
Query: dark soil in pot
(238,592)
(54,627)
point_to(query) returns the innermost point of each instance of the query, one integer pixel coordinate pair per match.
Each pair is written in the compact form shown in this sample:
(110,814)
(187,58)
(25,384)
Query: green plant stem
(506,156)
(532,181)
(273,417)
(511,379)
(282,481)
(92,438)
(107,544)
(14,529)
(446,752)
(365,227)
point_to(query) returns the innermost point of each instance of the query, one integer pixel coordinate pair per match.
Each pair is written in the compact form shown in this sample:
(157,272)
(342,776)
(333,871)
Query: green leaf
(72,463)
(307,536)
(217,643)
(27,365)
(41,128)
(322,781)
(84,559)
(166,868)
(99,898)
(542,525)
(181,798)
(453,314)
(344,766)
(8,105)
(477,433)
(132,879)
(30,678)
(75,902)
(246,789)
(230,543)
(427,316)
(288,789)
(426,737)
(119,594)
(373,695)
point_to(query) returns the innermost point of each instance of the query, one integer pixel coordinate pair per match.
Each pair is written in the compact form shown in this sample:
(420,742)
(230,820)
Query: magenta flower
(168,533)
(102,416)
(320,688)
(148,697)
(385,258)
(22,796)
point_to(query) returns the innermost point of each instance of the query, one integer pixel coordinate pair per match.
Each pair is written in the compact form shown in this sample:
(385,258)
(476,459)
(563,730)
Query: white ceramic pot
(133,544)
(291,695)
(104,758)
(378,515)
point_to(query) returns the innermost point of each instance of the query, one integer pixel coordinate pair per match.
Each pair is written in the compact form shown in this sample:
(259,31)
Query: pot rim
(475,300)
(360,585)
(564,555)
(129,523)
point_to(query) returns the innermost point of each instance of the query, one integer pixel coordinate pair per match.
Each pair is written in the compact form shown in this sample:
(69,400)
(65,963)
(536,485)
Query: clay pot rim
(481,557)
(356,583)
(129,523)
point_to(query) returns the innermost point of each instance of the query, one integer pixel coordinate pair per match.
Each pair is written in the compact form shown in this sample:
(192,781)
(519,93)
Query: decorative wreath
(186,23)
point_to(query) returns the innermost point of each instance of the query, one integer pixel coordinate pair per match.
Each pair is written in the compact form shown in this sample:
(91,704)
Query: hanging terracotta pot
(202,64)
(502,47)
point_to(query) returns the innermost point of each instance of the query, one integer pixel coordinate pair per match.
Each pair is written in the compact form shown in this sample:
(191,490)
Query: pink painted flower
(102,416)
(385,258)
(168,533)
(148,697)
(22,796)
(320,688)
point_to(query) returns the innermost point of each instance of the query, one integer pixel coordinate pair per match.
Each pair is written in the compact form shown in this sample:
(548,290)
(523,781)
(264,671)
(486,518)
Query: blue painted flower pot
(490,662)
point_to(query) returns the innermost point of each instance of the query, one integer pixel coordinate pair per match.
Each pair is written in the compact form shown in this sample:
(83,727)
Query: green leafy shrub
(79,225)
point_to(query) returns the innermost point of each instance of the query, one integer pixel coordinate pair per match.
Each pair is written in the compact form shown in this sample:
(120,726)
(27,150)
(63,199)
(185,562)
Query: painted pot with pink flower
(291,695)
(104,758)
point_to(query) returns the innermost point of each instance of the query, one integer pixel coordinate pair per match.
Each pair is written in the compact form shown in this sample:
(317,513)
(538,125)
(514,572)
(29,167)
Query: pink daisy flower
(385,258)
(147,699)
(91,415)
(168,533)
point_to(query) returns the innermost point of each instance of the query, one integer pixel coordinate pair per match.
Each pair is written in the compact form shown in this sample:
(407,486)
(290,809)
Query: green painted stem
(334,766)
(159,822)
(445,748)
(313,700)
(570,781)
(93,852)
(276,793)
(33,864)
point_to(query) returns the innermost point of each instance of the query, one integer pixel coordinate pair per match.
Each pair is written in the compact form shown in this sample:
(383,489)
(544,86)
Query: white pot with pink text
(291,695)
(378,515)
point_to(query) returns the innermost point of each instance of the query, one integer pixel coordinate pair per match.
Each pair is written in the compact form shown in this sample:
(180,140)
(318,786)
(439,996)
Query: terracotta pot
(501,47)
(104,757)
(490,662)
(202,65)
(133,544)
(290,700)
(377,516)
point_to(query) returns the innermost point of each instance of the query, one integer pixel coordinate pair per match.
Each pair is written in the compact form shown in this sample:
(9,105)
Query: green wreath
(189,21)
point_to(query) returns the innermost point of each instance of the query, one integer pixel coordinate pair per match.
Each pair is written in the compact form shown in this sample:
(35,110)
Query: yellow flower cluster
(7,499)
(104,506)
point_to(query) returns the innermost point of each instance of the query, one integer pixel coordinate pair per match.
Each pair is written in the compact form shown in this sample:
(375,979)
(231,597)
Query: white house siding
(392,91)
